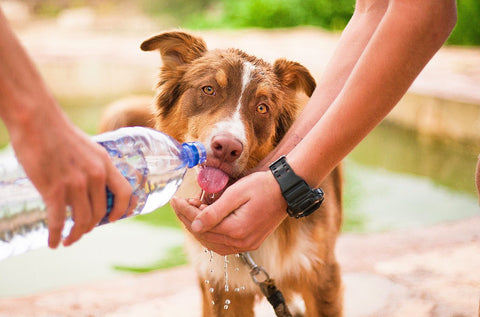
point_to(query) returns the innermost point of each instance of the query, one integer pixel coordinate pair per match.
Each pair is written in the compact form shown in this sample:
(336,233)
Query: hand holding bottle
(150,163)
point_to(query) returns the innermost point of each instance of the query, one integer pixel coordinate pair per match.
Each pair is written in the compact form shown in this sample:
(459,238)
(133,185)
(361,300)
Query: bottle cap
(194,153)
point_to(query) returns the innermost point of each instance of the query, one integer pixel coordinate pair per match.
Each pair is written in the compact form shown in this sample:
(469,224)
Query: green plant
(286,13)
(174,257)
(467,30)
(162,217)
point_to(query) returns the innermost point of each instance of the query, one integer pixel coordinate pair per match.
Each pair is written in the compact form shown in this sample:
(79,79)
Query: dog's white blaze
(234,125)
(248,69)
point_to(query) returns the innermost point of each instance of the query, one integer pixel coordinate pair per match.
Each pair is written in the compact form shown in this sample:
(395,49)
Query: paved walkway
(430,272)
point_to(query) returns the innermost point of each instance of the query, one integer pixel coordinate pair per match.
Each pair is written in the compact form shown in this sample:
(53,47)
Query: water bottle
(153,163)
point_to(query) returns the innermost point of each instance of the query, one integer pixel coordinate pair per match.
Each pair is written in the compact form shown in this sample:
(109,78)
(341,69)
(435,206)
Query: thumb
(212,215)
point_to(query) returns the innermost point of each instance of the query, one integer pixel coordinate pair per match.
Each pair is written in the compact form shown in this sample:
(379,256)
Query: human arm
(389,50)
(66,167)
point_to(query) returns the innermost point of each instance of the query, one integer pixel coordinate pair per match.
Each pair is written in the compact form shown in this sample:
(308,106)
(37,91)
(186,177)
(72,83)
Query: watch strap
(301,199)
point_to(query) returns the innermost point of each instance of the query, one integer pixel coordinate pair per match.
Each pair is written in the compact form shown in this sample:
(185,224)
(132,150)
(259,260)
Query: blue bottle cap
(194,153)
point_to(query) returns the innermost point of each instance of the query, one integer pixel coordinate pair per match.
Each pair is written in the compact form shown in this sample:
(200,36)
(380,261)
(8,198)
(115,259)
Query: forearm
(23,95)
(351,45)
(407,37)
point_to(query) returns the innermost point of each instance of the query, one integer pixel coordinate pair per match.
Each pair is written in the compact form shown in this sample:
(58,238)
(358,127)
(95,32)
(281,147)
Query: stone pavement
(428,272)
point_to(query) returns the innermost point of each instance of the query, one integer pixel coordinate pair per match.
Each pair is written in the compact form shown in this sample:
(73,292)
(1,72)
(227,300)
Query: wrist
(302,200)
(276,194)
(31,117)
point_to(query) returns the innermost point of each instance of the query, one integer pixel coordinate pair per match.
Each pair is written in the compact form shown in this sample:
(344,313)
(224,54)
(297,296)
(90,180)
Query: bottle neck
(193,153)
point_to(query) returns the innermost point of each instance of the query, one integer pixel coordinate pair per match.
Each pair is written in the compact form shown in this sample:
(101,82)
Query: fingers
(184,209)
(187,210)
(56,220)
(85,193)
(97,198)
(81,215)
(122,192)
(212,215)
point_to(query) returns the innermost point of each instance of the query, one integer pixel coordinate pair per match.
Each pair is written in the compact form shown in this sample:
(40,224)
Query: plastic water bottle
(153,163)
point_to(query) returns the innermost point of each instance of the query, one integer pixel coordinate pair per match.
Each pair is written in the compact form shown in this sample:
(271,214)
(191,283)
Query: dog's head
(238,105)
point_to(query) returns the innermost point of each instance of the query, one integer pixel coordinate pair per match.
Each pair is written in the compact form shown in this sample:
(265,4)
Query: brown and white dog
(240,107)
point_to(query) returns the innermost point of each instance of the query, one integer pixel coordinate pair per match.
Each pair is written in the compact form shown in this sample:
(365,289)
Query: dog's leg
(207,306)
(324,299)
(225,304)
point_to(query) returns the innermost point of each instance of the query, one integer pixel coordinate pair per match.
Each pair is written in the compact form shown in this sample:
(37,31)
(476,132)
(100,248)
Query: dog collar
(302,200)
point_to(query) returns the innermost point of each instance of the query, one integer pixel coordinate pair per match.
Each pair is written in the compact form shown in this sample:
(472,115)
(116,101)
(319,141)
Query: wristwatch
(302,200)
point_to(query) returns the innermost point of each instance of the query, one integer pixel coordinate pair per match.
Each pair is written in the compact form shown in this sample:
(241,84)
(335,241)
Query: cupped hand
(240,220)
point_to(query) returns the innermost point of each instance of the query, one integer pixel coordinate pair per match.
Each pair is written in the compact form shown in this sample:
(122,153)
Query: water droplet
(207,281)
(242,288)
(211,255)
(237,289)
(225,266)
(211,290)
(237,269)
(225,307)
(213,302)
(227,301)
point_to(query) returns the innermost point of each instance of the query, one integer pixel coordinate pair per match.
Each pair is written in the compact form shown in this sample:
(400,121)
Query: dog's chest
(234,273)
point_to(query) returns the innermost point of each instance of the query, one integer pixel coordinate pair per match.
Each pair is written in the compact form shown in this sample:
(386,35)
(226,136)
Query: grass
(174,256)
(162,217)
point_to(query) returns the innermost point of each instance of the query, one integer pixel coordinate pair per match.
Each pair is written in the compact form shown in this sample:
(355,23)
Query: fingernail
(197,225)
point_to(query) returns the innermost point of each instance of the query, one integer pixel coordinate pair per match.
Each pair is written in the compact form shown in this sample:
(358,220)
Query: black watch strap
(302,200)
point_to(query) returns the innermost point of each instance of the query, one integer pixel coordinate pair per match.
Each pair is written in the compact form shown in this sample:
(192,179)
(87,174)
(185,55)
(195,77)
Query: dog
(240,107)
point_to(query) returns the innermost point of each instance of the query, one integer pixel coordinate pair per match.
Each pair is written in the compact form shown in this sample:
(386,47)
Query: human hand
(69,169)
(240,220)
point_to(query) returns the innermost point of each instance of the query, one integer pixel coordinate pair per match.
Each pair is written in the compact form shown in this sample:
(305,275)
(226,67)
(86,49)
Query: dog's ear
(176,48)
(294,76)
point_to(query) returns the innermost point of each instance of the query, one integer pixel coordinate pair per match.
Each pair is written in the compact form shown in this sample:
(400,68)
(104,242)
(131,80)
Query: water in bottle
(153,163)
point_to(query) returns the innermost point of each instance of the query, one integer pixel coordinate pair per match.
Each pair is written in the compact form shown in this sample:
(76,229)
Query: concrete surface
(428,272)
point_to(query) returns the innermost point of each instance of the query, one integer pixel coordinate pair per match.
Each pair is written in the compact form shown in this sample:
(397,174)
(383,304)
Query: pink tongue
(212,180)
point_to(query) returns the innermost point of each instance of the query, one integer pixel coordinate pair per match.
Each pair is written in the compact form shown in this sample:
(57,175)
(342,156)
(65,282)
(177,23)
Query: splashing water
(226,262)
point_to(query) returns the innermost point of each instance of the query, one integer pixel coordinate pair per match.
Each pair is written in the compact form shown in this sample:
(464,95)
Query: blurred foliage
(181,9)
(162,217)
(467,30)
(54,7)
(333,15)
(328,14)
(174,257)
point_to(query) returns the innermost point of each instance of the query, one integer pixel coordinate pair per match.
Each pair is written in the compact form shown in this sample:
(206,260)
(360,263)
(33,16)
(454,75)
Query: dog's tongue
(212,180)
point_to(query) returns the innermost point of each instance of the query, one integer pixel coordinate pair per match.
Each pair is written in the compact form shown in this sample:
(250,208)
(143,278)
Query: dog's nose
(226,148)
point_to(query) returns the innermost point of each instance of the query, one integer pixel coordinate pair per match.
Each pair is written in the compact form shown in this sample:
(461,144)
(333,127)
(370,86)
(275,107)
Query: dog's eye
(208,90)
(262,108)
